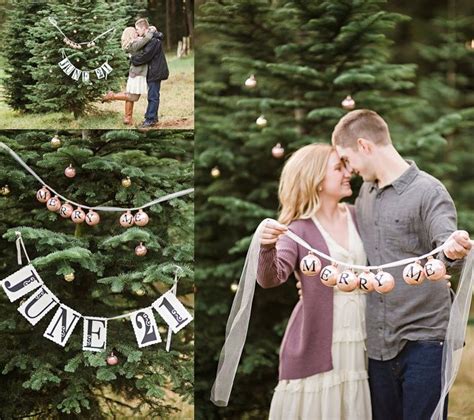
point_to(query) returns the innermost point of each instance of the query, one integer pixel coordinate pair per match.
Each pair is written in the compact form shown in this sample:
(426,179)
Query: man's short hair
(142,23)
(362,123)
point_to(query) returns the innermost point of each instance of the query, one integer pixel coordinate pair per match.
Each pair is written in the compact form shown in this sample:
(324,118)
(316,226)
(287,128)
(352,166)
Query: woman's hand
(270,234)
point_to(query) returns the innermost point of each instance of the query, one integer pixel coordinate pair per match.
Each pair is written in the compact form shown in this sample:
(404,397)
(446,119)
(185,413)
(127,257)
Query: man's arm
(146,55)
(139,43)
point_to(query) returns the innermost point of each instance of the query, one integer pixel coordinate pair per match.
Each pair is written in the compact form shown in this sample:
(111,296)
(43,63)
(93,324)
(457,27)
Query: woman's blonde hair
(128,36)
(301,176)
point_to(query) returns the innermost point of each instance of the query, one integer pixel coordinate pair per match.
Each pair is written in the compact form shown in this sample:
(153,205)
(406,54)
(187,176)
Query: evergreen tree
(38,376)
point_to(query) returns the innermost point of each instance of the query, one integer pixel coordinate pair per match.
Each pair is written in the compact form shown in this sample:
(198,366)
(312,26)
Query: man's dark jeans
(407,387)
(151,114)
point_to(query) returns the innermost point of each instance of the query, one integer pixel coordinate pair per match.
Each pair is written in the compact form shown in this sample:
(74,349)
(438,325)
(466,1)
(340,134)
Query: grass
(176,107)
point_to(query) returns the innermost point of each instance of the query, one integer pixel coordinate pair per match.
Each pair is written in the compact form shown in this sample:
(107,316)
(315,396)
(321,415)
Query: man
(153,55)
(402,212)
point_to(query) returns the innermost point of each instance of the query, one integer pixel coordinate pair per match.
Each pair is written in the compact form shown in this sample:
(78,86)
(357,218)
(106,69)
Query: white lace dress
(342,393)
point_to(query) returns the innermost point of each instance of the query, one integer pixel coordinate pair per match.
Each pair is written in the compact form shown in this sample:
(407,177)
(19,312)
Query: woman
(323,373)
(136,83)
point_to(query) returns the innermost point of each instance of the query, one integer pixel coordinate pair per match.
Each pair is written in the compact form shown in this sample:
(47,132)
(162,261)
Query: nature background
(412,62)
(38,378)
(34,91)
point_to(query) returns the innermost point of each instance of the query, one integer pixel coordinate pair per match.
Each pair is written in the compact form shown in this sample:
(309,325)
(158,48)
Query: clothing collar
(402,182)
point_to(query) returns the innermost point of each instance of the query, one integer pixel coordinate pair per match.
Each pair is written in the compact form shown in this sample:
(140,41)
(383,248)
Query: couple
(148,68)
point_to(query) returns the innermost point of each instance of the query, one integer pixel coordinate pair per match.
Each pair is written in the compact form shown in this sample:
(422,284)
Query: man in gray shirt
(402,212)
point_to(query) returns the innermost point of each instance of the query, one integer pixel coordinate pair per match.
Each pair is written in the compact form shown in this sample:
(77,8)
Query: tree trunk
(168,25)
(189,11)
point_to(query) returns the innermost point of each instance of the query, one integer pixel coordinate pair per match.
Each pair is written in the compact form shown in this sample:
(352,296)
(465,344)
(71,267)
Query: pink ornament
(53,204)
(310,265)
(366,281)
(348,103)
(347,281)
(384,282)
(70,171)
(126,219)
(434,269)
(328,275)
(413,273)
(43,195)
(66,210)
(141,218)
(92,218)
(141,250)
(112,359)
(78,216)
(278,151)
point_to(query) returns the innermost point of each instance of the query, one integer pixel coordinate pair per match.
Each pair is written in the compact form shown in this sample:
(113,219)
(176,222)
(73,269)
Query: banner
(70,69)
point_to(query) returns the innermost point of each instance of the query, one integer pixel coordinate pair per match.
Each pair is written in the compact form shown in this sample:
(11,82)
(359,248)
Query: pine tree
(43,379)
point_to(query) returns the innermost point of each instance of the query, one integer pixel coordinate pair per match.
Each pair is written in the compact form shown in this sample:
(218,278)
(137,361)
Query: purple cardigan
(306,346)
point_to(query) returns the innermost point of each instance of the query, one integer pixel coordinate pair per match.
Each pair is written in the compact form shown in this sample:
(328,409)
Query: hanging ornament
(126,182)
(234,287)
(5,190)
(413,273)
(78,216)
(53,204)
(140,292)
(434,269)
(141,218)
(278,151)
(261,121)
(310,265)
(92,218)
(348,103)
(384,282)
(69,277)
(55,142)
(215,172)
(126,219)
(329,275)
(141,250)
(347,281)
(66,210)
(251,82)
(43,195)
(70,171)
(112,359)
(366,281)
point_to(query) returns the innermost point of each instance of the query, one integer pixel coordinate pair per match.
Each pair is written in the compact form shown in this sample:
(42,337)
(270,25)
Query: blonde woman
(322,373)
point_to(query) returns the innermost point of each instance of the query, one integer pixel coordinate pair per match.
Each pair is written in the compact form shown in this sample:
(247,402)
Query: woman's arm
(139,43)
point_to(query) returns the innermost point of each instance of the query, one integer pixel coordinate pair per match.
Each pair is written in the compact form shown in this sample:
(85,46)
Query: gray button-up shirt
(408,218)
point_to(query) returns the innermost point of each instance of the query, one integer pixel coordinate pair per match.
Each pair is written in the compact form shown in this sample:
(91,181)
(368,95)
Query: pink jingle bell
(384,282)
(413,274)
(347,281)
(348,103)
(70,171)
(434,269)
(141,250)
(78,216)
(53,204)
(329,275)
(310,265)
(92,218)
(66,210)
(367,281)
(112,359)
(141,218)
(43,195)
(278,151)
(126,219)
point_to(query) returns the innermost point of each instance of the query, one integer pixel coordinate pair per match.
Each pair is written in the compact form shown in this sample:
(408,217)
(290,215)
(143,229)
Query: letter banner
(22,282)
(95,334)
(144,326)
(172,311)
(62,325)
(38,305)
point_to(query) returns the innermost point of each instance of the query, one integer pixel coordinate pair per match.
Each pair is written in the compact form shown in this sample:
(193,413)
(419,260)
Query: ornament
(434,269)
(384,282)
(141,218)
(69,277)
(234,287)
(366,281)
(278,151)
(112,359)
(140,292)
(78,216)
(329,275)
(92,218)
(141,250)
(413,273)
(43,195)
(5,190)
(215,172)
(261,121)
(126,182)
(310,265)
(126,219)
(251,82)
(348,103)
(55,142)
(66,210)
(53,204)
(347,281)
(70,171)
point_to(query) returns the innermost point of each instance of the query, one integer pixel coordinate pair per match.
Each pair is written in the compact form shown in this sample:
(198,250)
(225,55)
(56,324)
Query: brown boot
(128,120)
(111,96)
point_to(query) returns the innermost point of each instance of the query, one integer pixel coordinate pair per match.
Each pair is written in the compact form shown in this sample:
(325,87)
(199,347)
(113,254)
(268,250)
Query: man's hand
(458,245)
(270,234)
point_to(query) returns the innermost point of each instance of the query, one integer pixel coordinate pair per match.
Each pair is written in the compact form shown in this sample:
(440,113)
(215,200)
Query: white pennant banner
(145,328)
(172,311)
(95,334)
(70,69)
(62,325)
(38,305)
(22,282)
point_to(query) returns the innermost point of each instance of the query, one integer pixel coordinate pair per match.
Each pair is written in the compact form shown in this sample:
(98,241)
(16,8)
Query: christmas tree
(95,271)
